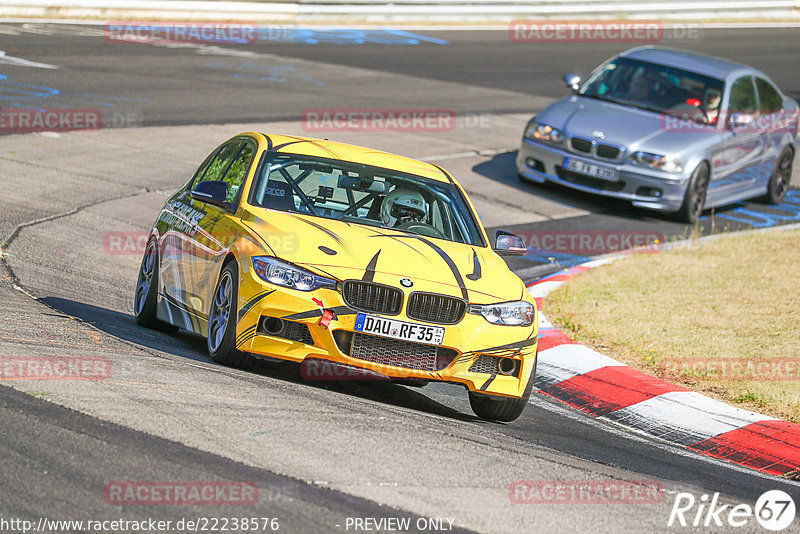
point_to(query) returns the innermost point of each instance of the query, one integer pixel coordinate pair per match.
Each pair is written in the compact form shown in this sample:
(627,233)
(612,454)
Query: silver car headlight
(282,273)
(517,313)
(657,161)
(543,132)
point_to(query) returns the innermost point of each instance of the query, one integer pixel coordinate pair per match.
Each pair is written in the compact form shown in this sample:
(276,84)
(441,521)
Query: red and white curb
(607,389)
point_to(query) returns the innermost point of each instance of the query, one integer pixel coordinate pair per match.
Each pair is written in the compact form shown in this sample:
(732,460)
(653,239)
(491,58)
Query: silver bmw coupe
(668,130)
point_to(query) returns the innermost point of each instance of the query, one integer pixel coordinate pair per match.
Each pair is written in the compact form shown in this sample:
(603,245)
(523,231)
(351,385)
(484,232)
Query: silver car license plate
(392,328)
(591,169)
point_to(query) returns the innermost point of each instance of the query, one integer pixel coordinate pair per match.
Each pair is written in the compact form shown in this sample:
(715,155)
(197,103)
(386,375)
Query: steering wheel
(421,229)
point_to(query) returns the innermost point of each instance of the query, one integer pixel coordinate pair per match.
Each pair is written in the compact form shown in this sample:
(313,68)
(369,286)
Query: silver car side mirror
(573,81)
(508,244)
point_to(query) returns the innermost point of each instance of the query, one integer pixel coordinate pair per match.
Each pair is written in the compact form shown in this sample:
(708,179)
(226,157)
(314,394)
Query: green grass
(732,301)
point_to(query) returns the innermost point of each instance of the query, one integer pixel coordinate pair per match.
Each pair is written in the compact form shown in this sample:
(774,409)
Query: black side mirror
(211,192)
(508,244)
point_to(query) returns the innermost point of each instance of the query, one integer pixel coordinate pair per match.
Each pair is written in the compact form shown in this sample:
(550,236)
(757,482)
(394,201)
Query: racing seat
(277,195)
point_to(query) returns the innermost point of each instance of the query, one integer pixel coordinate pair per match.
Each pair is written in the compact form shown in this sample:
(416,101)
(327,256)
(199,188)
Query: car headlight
(543,132)
(657,161)
(285,274)
(517,313)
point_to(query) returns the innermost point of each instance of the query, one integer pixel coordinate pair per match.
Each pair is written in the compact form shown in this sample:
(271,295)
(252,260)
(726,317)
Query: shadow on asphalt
(502,168)
(193,347)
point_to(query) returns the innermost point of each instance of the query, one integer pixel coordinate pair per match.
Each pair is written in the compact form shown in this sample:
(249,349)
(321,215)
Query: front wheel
(502,409)
(695,198)
(781,177)
(222,321)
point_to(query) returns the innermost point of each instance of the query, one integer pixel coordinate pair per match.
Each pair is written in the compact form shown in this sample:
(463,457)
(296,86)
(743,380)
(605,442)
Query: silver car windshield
(657,88)
(362,194)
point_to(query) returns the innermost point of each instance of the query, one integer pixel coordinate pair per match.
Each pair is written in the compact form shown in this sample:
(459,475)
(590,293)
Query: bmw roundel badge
(405,282)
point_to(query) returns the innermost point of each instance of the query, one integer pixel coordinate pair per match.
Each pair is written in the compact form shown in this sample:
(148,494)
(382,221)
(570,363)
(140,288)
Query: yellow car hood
(354,251)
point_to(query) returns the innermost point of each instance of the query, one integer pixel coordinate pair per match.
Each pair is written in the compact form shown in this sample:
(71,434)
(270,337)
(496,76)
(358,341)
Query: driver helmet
(401,205)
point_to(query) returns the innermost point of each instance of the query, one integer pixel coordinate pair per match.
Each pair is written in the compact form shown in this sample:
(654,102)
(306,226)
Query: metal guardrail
(321,11)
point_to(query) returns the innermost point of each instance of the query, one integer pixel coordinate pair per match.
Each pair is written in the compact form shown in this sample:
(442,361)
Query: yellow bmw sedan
(342,258)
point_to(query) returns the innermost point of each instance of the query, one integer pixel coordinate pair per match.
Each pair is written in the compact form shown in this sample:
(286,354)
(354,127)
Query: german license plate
(591,169)
(392,328)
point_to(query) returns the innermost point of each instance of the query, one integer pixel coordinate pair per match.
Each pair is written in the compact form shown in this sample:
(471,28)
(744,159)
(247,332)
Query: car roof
(715,67)
(309,146)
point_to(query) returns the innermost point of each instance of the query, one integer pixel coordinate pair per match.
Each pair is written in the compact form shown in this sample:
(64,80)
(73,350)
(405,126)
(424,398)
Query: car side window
(238,171)
(230,166)
(769,98)
(743,96)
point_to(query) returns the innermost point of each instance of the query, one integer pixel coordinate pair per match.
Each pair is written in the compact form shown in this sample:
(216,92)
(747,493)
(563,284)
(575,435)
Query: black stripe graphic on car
(488,381)
(369,273)
(398,240)
(447,259)
(333,235)
(337,310)
(252,302)
(476,267)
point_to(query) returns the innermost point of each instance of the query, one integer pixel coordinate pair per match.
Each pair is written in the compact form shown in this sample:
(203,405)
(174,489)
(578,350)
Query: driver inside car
(402,207)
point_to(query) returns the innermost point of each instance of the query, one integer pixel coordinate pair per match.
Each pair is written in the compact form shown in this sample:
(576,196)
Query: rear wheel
(502,409)
(781,177)
(695,198)
(222,321)
(144,300)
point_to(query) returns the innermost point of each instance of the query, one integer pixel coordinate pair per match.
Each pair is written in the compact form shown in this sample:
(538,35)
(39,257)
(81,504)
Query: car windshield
(657,88)
(363,194)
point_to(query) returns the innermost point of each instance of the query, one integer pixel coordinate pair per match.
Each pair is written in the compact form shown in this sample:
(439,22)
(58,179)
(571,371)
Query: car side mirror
(508,244)
(740,120)
(573,81)
(211,192)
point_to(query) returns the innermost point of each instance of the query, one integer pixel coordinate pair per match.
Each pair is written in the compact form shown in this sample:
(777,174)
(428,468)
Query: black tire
(502,409)
(222,321)
(144,299)
(781,178)
(695,197)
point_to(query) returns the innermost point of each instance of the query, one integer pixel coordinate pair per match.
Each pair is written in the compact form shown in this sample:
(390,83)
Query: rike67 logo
(774,510)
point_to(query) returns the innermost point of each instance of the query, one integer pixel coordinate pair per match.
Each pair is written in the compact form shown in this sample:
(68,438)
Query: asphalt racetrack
(322,455)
